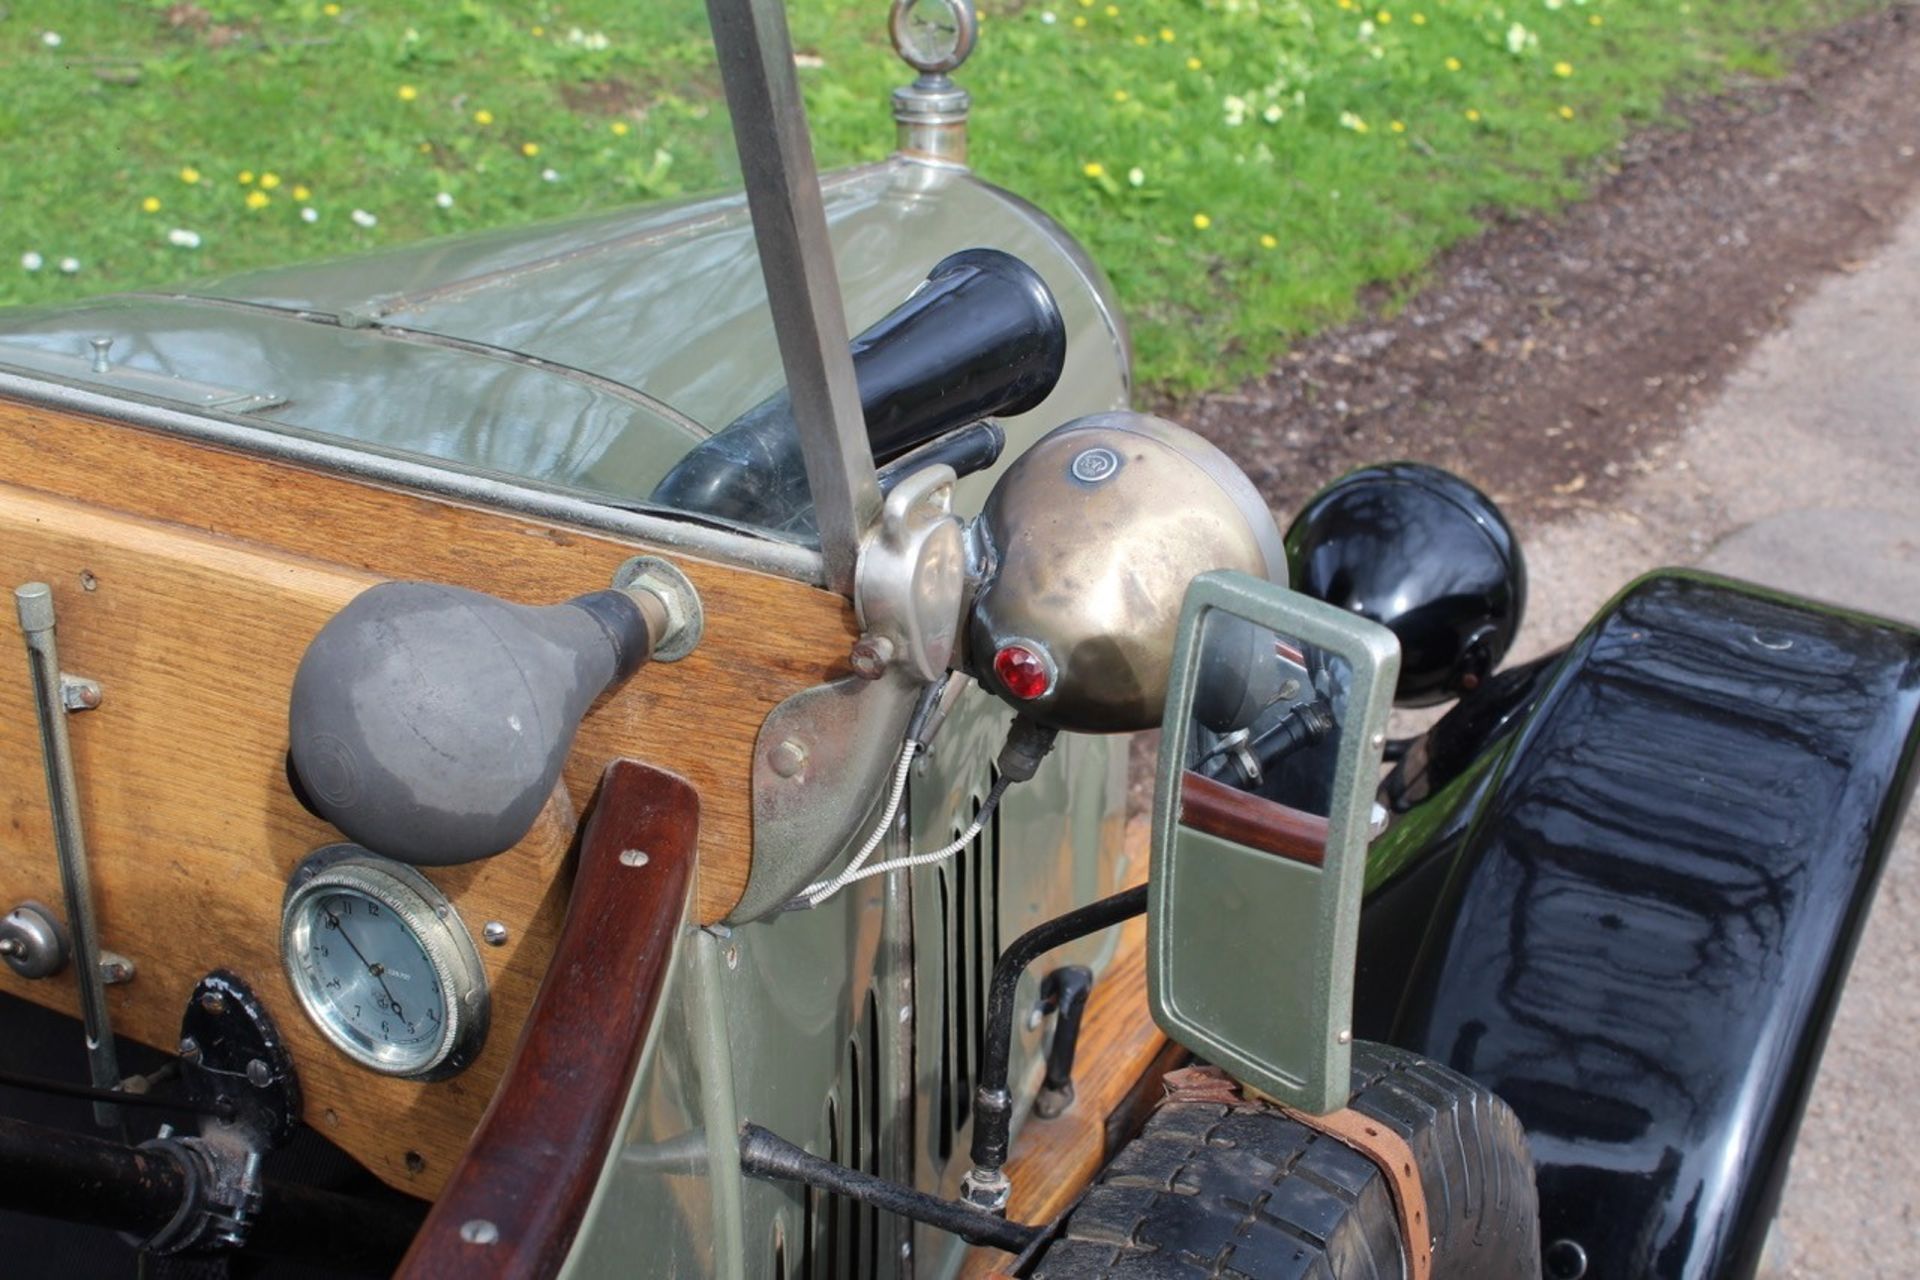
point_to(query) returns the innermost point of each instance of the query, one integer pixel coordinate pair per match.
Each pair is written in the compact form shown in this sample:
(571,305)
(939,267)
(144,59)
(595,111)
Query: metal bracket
(820,763)
(232,1057)
(911,581)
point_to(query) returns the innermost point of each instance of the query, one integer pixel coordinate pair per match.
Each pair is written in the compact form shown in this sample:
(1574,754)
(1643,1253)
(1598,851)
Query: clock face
(382,964)
(934,36)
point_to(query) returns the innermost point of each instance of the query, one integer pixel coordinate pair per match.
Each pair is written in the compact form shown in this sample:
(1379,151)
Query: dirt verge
(1552,357)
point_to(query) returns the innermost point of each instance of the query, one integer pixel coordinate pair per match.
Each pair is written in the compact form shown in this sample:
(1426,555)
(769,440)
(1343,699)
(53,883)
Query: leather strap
(1386,1149)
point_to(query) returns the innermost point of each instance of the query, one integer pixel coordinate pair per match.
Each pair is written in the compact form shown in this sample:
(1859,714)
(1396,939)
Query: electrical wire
(818,892)
(854,872)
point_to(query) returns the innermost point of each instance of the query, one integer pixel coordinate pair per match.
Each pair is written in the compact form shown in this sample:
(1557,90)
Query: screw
(870,656)
(115,969)
(214,1003)
(633,857)
(12,947)
(494,933)
(479,1231)
(259,1074)
(788,758)
(733,957)
(190,1048)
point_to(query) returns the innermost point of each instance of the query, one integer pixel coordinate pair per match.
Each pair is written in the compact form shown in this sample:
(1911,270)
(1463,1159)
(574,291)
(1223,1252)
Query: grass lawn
(1242,168)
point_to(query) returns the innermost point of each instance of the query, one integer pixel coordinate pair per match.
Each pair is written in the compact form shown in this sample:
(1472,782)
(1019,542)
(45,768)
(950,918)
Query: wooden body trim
(533,1164)
(188,579)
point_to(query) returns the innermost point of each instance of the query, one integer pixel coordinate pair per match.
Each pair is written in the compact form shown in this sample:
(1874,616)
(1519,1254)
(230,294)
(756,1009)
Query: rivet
(787,758)
(479,1231)
(1345,1037)
(633,857)
(494,933)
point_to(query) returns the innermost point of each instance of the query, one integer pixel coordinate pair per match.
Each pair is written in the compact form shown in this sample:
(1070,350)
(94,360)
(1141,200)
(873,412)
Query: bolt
(101,346)
(788,758)
(12,947)
(259,1074)
(633,857)
(479,1231)
(870,656)
(214,1003)
(494,933)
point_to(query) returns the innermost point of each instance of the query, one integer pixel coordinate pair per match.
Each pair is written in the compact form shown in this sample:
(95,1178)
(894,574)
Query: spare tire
(1241,1189)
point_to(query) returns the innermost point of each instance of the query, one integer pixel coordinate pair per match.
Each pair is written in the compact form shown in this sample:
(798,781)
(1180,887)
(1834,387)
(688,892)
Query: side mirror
(1269,760)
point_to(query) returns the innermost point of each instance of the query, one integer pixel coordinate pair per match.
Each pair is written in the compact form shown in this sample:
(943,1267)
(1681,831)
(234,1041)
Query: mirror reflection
(1263,743)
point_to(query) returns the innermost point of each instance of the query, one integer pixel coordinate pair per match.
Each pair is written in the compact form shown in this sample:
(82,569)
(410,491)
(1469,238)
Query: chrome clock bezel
(436,929)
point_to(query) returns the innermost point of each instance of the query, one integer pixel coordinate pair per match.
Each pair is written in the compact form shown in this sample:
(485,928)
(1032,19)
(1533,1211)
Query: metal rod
(771,1158)
(35,604)
(993,1106)
(76,1177)
(803,289)
(122,1097)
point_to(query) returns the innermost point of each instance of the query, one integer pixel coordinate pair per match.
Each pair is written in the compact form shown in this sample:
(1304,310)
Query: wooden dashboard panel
(188,580)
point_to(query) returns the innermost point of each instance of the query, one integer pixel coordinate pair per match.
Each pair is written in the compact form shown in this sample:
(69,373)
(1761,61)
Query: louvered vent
(968,890)
(841,1238)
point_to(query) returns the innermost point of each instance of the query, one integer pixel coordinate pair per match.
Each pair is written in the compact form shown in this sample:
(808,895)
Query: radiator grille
(968,890)
(841,1239)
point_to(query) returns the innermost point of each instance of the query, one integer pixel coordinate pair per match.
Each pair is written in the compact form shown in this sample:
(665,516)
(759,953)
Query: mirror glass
(1269,763)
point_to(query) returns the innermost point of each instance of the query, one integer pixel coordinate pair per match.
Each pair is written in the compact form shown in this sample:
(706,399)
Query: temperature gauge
(933,36)
(383,965)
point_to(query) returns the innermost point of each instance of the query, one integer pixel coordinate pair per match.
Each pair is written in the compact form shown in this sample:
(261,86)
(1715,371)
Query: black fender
(1643,905)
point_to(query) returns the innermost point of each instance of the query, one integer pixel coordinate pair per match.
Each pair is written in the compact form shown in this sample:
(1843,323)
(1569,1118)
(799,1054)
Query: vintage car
(539,755)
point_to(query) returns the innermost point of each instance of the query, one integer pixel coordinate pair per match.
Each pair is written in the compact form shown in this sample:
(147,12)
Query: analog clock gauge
(933,36)
(383,965)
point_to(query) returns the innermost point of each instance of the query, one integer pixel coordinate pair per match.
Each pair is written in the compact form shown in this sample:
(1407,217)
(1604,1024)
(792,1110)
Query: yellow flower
(189,175)
(1346,4)
(1194,64)
(258,199)
(1201,222)
(268,181)
(1566,113)
(331,10)
(246,177)
(537,32)
(619,128)
(1120,95)
(1112,11)
(426,148)
(1079,21)
(1093,168)
(529,149)
(1593,19)
(1166,34)
(1086,4)
(1419,19)
(1268,242)
(1142,41)
(483,116)
(408,93)
(1383,17)
(1473,114)
(1398,126)
(1453,64)
(301,193)
(150,205)
(1563,69)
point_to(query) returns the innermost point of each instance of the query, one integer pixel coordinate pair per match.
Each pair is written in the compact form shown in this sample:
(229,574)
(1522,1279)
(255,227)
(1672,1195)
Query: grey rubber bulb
(429,723)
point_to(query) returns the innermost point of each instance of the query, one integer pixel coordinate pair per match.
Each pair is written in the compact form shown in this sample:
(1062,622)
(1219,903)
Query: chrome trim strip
(726,546)
(803,287)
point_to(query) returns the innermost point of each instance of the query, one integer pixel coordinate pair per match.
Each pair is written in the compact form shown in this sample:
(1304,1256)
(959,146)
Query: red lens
(1023,671)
